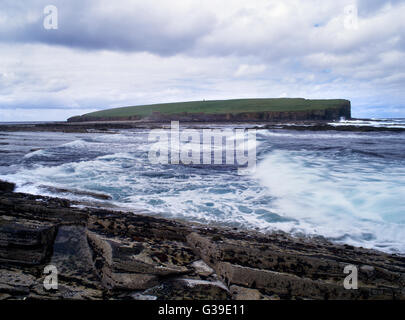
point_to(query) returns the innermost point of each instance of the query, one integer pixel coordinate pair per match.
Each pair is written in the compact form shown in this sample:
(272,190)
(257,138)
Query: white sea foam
(323,135)
(337,199)
(380,123)
(347,199)
(36,153)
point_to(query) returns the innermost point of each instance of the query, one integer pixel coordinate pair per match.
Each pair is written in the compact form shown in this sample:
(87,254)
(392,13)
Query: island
(281,109)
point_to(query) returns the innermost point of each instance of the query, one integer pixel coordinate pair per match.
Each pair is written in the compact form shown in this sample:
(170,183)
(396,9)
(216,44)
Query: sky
(105,54)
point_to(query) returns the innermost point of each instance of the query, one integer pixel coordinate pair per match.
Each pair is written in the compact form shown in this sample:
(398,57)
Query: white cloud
(15,115)
(249,70)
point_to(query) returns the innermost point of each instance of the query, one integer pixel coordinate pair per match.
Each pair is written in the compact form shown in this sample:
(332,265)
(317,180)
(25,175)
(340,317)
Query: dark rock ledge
(103,254)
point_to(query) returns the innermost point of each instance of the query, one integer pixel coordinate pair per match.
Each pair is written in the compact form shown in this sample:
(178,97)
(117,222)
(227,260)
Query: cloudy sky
(127,52)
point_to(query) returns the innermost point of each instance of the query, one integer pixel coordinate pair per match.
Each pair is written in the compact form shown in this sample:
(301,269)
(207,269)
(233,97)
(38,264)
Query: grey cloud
(141,26)
(84,25)
(369,7)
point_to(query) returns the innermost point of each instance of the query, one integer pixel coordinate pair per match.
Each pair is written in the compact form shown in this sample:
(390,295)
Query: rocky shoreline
(104,254)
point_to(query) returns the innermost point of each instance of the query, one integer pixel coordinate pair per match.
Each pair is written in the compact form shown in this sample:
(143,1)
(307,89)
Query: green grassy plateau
(220,107)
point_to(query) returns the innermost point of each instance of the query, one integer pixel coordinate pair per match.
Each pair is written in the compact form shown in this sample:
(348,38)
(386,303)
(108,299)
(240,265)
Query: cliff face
(327,114)
(312,115)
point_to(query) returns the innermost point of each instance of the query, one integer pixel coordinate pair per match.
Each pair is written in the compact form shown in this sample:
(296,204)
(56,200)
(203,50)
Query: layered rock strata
(103,254)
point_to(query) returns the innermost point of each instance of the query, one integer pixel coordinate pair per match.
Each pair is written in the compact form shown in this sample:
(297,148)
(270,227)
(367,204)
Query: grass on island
(220,107)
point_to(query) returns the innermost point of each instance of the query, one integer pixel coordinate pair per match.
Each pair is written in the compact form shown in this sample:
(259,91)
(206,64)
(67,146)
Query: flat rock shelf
(103,254)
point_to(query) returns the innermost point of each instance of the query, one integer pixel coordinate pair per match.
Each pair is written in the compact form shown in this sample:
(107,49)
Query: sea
(346,186)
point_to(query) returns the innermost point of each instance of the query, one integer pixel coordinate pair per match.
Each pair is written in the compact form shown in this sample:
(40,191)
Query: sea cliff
(249,110)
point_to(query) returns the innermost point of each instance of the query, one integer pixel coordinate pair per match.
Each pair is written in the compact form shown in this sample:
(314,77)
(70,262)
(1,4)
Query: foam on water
(387,123)
(347,187)
(325,135)
(345,201)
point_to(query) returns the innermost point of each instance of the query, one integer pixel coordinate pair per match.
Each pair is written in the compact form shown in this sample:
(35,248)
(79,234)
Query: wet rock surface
(103,254)
(6,186)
